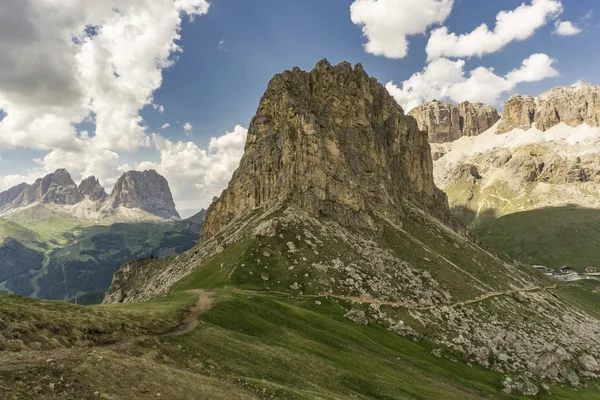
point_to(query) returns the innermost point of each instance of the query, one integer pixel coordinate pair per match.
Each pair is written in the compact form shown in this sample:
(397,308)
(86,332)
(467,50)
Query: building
(591,270)
(566,270)
(543,268)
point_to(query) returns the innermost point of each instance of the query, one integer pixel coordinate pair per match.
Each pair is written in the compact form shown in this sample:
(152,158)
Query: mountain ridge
(145,191)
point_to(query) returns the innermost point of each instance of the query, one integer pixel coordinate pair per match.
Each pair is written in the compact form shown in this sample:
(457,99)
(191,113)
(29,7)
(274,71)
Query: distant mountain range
(60,240)
(136,196)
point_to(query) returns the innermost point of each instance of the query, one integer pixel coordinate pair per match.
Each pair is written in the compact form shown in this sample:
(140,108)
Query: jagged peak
(329,140)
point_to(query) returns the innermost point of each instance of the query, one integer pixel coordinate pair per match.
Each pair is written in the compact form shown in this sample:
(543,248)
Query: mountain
(543,153)
(446,122)
(147,191)
(59,240)
(56,188)
(334,200)
(572,105)
(90,188)
(137,196)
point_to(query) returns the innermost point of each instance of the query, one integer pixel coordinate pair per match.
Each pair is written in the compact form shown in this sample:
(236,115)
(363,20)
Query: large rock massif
(335,143)
(335,196)
(542,153)
(445,122)
(572,105)
(136,195)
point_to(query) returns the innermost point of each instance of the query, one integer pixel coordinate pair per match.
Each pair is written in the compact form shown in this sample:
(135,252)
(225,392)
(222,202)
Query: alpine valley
(59,240)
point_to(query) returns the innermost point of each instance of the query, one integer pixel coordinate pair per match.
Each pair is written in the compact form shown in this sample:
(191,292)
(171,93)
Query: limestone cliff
(147,191)
(90,188)
(334,142)
(445,122)
(572,105)
(519,113)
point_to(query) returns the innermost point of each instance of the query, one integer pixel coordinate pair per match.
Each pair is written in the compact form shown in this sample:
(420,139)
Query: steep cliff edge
(572,105)
(334,142)
(446,122)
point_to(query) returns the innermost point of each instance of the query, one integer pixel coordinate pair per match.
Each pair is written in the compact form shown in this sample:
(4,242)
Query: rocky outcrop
(334,142)
(572,105)
(147,191)
(90,188)
(445,122)
(519,113)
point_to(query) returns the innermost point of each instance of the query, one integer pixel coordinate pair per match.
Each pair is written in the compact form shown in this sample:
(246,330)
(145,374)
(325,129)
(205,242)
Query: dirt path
(370,300)
(22,359)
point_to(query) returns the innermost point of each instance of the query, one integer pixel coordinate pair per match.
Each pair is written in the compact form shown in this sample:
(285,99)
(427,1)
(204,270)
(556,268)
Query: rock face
(57,188)
(90,188)
(334,142)
(445,122)
(519,113)
(573,105)
(147,191)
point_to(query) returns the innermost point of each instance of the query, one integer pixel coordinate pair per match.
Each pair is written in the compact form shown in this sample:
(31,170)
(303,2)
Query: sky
(100,88)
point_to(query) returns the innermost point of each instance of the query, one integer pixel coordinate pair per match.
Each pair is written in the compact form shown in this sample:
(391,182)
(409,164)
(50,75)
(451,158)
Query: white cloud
(566,28)
(165,126)
(187,128)
(535,68)
(514,25)
(444,79)
(158,107)
(387,23)
(194,174)
(63,62)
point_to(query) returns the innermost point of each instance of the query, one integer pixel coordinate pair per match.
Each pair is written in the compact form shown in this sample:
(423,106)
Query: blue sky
(229,52)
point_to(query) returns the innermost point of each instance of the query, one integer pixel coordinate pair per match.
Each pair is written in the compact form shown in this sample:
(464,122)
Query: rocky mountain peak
(90,188)
(335,143)
(57,188)
(147,191)
(446,122)
(572,105)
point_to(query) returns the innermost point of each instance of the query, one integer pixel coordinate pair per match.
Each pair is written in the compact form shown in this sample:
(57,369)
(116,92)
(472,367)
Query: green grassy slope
(547,236)
(247,345)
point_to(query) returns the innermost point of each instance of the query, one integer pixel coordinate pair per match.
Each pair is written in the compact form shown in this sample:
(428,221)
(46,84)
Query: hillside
(553,237)
(71,258)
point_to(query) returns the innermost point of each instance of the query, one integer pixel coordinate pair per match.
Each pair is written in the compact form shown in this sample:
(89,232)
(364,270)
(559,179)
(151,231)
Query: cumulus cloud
(387,23)
(444,79)
(194,174)
(158,107)
(566,28)
(165,126)
(514,25)
(63,62)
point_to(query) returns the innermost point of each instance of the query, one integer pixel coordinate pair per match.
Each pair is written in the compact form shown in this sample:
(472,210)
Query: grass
(549,236)
(28,324)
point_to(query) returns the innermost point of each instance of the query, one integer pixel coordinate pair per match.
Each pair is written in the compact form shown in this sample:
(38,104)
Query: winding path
(22,359)
(371,300)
